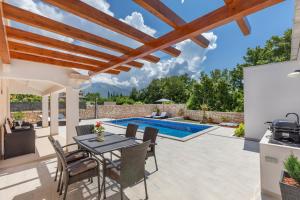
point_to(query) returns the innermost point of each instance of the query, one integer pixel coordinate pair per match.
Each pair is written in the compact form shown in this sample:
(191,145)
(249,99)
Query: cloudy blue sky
(227,43)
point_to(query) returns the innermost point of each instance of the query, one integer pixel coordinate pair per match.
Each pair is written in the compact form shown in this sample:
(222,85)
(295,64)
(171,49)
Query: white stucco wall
(269,94)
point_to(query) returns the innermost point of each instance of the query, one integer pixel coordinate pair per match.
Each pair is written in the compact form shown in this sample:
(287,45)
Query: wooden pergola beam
(18,34)
(52,61)
(5,56)
(92,14)
(160,10)
(216,18)
(242,22)
(29,18)
(29,49)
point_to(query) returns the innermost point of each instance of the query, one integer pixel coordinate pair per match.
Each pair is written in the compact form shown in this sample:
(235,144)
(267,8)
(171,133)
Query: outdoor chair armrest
(151,144)
(113,164)
(67,145)
(82,160)
(76,151)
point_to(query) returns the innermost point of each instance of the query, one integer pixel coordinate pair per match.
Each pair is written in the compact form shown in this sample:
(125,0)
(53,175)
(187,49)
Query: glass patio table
(112,142)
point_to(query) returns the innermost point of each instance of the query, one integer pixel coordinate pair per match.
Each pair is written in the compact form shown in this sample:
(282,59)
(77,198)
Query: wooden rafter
(216,18)
(160,10)
(29,18)
(92,14)
(242,22)
(18,34)
(29,49)
(52,61)
(5,57)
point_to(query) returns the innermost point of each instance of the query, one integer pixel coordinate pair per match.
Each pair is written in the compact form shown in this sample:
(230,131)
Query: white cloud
(38,8)
(190,61)
(100,4)
(137,21)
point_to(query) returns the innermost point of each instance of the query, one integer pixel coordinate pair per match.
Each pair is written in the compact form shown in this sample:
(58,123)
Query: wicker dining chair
(84,129)
(129,169)
(72,156)
(150,133)
(80,170)
(131,130)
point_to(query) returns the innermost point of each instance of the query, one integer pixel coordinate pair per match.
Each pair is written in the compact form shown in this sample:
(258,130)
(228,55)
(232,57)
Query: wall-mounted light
(294,74)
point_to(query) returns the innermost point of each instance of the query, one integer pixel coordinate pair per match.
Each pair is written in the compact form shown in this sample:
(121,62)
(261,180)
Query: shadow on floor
(250,145)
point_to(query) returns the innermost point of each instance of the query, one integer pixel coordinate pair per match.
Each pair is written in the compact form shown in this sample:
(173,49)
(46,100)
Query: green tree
(277,49)
(25,98)
(134,94)
(93,97)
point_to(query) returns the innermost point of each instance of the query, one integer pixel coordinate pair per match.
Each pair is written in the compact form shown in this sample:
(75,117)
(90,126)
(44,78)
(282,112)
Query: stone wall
(88,113)
(214,116)
(125,111)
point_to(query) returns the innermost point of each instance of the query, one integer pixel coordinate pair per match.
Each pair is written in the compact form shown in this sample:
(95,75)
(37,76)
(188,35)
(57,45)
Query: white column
(8,103)
(54,113)
(72,113)
(4,103)
(45,111)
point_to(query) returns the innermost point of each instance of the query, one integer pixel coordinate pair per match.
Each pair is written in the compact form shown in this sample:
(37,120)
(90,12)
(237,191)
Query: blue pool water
(175,129)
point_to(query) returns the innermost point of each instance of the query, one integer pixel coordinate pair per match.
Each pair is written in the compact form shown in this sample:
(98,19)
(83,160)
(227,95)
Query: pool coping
(184,139)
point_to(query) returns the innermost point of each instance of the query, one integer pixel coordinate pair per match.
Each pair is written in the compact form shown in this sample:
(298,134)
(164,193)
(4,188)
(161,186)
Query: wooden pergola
(19,44)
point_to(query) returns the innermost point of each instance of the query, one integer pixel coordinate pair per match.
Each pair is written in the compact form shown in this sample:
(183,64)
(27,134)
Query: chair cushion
(7,129)
(10,122)
(82,166)
(75,156)
(112,172)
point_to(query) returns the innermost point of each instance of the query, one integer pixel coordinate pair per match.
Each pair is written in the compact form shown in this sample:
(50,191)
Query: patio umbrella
(163,101)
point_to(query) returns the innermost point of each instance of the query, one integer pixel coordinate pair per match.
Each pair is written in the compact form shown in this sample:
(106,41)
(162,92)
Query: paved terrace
(212,166)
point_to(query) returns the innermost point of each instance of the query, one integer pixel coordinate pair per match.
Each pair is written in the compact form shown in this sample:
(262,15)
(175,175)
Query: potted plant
(99,130)
(240,131)
(19,116)
(290,180)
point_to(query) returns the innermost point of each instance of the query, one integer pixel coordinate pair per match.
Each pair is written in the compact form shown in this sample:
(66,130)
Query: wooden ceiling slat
(241,22)
(160,10)
(5,56)
(123,68)
(92,14)
(18,34)
(24,48)
(244,25)
(29,18)
(216,18)
(52,61)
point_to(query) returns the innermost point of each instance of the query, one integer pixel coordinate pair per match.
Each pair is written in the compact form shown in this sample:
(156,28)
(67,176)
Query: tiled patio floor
(214,166)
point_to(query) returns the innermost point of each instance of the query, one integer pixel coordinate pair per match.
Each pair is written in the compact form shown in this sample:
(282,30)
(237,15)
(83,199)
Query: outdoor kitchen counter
(272,157)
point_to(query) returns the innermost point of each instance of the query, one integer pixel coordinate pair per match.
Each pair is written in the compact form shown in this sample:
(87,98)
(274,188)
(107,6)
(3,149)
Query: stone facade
(125,111)
(214,116)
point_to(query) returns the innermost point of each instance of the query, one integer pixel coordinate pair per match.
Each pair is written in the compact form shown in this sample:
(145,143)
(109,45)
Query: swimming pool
(175,130)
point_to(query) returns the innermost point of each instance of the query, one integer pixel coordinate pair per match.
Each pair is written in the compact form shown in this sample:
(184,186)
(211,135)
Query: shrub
(292,166)
(225,119)
(240,131)
(180,112)
(18,115)
(157,110)
(210,120)
(139,103)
